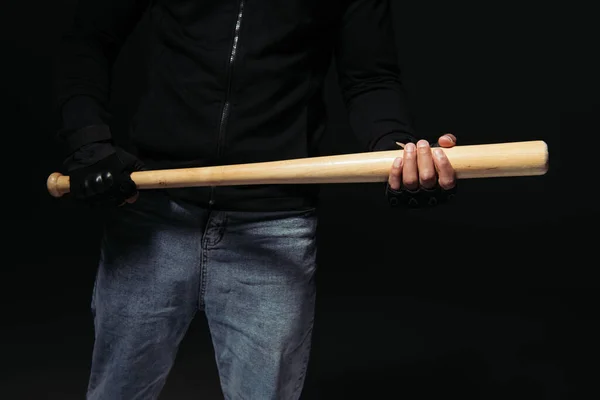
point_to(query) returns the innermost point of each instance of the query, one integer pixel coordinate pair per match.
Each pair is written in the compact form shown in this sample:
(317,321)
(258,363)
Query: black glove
(99,171)
(419,198)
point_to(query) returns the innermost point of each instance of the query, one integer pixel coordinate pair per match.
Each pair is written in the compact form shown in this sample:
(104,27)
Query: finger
(92,185)
(410,175)
(447,140)
(133,199)
(445,171)
(130,200)
(98,183)
(87,187)
(427,176)
(395,177)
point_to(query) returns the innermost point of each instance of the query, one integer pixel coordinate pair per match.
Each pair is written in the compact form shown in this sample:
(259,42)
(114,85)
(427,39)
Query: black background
(492,298)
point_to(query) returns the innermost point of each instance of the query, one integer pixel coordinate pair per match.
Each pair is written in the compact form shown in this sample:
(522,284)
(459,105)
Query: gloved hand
(99,171)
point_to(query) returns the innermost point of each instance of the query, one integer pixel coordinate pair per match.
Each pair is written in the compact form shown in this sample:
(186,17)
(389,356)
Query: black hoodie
(238,81)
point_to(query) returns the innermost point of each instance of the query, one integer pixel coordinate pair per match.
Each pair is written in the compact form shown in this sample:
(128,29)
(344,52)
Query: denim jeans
(252,273)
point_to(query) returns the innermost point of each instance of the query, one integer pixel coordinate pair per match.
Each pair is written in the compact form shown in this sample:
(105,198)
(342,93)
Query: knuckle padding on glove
(98,182)
(104,182)
(419,198)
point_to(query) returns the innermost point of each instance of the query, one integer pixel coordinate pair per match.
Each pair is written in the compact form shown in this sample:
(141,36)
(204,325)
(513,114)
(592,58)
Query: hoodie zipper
(227,105)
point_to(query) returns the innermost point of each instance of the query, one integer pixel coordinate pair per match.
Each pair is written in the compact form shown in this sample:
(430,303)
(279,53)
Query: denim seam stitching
(305,360)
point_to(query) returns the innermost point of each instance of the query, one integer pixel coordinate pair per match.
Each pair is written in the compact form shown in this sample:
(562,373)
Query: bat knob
(54,186)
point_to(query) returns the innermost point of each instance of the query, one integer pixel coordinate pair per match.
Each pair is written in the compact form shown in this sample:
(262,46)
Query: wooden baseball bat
(470,161)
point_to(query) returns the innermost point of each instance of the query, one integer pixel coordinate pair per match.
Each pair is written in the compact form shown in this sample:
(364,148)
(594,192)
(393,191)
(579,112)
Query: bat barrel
(500,160)
(473,161)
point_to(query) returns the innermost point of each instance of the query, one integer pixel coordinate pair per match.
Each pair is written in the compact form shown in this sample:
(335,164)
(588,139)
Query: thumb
(131,162)
(447,140)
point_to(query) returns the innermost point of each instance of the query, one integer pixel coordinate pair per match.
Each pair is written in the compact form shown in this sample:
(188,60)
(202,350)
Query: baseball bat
(528,158)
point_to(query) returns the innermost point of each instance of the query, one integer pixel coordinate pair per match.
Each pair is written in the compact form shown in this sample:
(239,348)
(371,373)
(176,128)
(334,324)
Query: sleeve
(369,76)
(84,60)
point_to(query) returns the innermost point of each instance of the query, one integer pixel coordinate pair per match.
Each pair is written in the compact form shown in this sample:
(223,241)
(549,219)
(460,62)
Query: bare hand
(422,167)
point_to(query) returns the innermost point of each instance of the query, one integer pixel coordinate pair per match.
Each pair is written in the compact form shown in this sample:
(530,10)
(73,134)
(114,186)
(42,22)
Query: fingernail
(410,147)
(397,162)
(449,138)
(438,153)
(422,143)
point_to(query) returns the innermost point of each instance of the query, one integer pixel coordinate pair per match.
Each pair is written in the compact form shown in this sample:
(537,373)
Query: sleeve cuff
(389,142)
(75,139)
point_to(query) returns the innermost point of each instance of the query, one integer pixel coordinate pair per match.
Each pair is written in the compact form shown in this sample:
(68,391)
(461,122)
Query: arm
(369,75)
(370,81)
(100,172)
(84,60)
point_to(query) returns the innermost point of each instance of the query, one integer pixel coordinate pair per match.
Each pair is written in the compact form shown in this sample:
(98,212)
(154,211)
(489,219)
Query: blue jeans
(252,273)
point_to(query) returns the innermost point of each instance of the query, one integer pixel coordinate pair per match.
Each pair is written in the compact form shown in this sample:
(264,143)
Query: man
(230,81)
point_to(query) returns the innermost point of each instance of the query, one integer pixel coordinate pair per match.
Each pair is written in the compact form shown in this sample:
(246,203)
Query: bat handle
(58,184)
